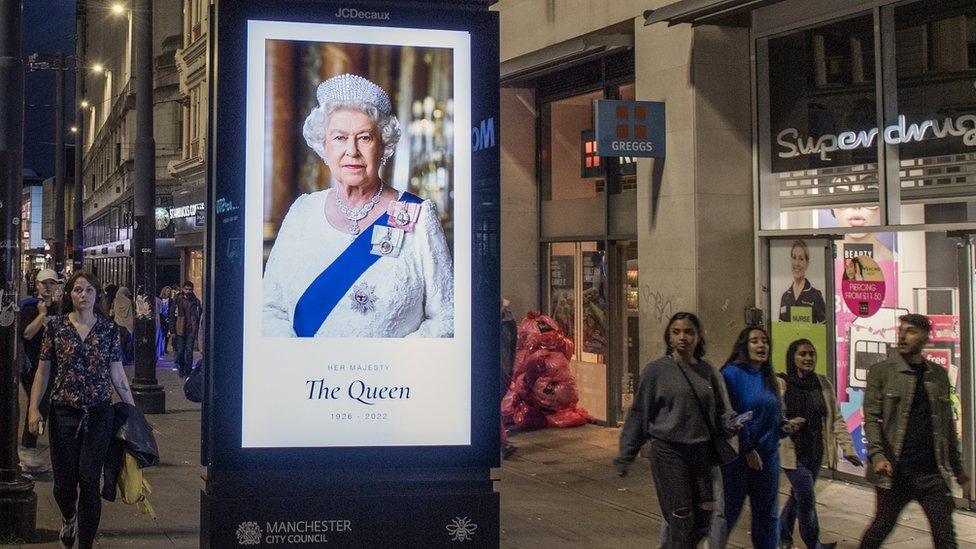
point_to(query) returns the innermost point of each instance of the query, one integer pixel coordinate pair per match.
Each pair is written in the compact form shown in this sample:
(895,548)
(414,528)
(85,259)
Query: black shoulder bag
(724,452)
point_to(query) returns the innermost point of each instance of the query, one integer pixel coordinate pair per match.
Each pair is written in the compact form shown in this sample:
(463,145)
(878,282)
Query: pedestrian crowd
(721,435)
(76,336)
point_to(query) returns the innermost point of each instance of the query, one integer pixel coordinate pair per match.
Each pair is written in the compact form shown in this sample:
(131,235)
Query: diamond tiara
(351,87)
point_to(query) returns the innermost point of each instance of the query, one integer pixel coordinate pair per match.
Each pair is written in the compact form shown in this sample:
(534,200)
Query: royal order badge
(403,215)
(363,298)
(386,241)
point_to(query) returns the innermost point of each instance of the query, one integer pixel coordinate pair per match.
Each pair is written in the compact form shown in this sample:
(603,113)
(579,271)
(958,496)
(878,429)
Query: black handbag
(724,451)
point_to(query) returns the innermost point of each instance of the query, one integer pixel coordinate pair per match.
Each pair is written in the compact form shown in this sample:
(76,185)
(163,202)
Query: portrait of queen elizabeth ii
(359,259)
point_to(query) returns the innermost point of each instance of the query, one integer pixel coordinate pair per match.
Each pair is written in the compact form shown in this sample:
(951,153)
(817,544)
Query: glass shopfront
(866,129)
(587,222)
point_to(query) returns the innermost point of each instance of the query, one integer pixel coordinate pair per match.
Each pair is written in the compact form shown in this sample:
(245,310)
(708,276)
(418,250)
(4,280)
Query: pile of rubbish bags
(543,391)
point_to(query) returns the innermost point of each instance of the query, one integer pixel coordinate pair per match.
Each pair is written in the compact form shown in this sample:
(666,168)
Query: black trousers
(79,441)
(683,478)
(932,494)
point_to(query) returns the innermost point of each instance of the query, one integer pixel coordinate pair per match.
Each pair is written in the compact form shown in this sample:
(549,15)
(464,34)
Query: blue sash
(325,292)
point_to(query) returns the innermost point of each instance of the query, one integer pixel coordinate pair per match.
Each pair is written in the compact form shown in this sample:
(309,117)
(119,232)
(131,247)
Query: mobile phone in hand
(738,421)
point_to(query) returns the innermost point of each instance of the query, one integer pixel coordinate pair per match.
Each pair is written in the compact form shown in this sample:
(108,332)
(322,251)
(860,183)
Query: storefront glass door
(966,386)
(577,300)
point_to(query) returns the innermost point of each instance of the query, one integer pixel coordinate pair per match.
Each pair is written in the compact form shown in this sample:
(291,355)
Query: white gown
(412,295)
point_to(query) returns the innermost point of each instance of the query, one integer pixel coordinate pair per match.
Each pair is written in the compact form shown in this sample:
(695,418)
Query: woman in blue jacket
(752,387)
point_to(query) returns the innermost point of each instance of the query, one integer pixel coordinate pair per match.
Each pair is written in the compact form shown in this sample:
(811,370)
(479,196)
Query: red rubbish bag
(543,390)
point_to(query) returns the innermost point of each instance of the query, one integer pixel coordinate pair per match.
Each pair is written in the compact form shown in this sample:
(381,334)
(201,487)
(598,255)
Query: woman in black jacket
(679,408)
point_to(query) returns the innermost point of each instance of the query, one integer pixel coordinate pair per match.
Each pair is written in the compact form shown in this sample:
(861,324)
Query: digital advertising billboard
(362,332)
(354,237)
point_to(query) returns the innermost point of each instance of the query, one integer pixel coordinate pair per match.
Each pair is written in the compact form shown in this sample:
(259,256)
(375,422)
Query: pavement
(558,491)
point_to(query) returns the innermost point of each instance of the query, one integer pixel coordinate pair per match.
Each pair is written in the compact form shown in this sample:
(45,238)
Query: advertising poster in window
(866,305)
(797,278)
(357,251)
(594,303)
(562,295)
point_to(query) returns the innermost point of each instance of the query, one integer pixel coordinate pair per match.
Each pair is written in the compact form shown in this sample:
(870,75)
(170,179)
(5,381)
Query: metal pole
(59,167)
(18,503)
(149,395)
(78,257)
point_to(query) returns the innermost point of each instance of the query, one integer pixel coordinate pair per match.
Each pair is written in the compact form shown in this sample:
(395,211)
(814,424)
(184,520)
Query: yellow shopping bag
(133,486)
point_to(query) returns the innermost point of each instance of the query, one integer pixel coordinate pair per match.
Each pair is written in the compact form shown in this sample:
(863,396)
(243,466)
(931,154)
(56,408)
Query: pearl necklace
(355,215)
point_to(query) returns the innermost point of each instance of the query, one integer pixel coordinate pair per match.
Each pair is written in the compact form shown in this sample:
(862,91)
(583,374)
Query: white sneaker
(69,531)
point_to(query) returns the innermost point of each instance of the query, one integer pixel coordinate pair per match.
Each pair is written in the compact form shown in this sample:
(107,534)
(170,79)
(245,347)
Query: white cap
(46,274)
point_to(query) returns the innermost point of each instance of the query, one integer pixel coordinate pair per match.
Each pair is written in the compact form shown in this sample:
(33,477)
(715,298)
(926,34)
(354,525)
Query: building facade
(109,138)
(865,148)
(825,144)
(611,247)
(189,167)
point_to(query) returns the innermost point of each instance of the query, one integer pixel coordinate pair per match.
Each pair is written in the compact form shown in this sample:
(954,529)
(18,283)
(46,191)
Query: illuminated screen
(357,319)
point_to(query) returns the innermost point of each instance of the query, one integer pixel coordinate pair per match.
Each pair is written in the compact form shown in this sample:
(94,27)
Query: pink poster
(866,312)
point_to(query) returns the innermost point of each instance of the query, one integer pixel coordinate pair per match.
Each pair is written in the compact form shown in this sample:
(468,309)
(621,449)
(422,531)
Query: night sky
(48,27)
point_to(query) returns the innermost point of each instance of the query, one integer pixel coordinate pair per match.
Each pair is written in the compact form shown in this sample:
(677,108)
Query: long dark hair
(791,352)
(690,317)
(740,357)
(68,306)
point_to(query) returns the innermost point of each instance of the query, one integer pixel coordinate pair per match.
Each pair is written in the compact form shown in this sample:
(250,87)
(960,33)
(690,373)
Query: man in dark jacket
(907,398)
(35,312)
(186,326)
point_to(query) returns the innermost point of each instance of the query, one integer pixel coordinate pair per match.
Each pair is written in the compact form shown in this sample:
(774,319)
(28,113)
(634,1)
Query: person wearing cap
(908,394)
(35,313)
(359,259)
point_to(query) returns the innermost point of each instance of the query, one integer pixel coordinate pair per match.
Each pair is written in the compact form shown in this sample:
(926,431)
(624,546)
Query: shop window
(936,99)
(876,282)
(820,141)
(566,123)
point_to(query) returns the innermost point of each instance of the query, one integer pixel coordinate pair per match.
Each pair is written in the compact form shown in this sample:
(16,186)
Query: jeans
(79,442)
(932,494)
(683,478)
(802,503)
(717,533)
(762,487)
(183,352)
(126,344)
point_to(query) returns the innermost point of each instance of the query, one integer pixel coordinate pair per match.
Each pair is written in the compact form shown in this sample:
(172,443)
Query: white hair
(317,123)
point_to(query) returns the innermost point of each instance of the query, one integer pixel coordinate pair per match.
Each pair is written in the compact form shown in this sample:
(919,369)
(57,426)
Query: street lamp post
(56,63)
(78,257)
(18,503)
(59,167)
(149,395)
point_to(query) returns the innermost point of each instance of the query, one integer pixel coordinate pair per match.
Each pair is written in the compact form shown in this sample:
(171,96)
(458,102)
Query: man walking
(34,314)
(187,322)
(913,448)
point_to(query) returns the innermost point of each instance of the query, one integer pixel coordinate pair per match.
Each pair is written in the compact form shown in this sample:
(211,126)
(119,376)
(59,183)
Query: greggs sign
(630,128)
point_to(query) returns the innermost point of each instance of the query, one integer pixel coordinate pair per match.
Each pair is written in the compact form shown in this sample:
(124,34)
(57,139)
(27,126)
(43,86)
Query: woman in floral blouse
(81,348)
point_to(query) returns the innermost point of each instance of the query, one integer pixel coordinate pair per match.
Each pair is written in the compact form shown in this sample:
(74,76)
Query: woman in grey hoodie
(679,407)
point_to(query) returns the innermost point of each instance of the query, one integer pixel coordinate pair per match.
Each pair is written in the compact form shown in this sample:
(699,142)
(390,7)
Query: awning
(733,13)
(562,55)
